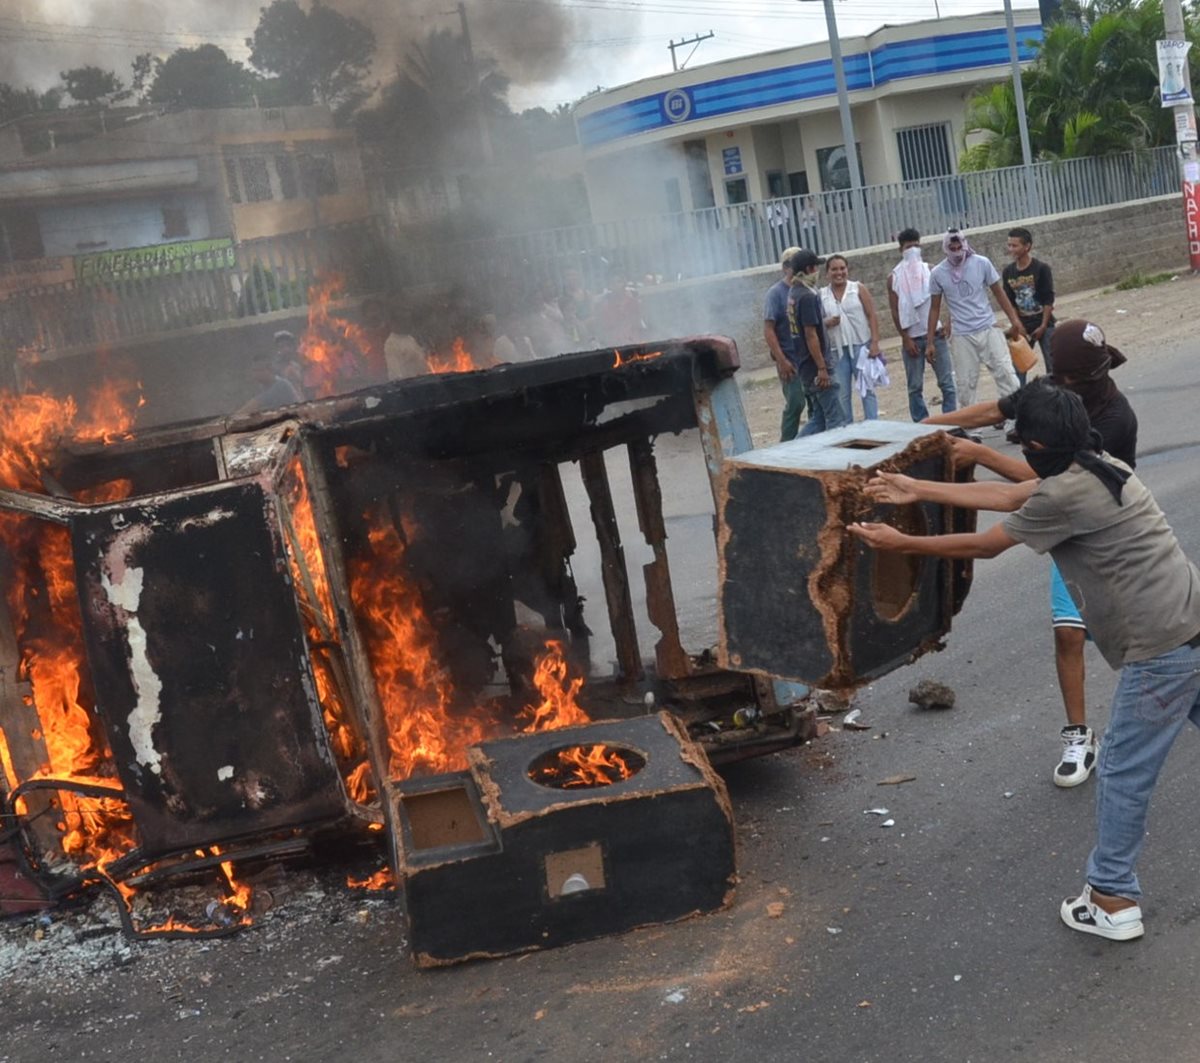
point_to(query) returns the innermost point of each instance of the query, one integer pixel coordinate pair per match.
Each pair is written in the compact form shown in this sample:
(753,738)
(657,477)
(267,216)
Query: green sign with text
(136,263)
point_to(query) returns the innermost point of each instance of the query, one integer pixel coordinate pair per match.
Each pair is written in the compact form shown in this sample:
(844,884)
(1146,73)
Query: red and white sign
(1191,211)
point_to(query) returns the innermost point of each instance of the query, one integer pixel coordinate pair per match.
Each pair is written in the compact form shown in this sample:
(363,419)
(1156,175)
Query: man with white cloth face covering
(964,278)
(908,299)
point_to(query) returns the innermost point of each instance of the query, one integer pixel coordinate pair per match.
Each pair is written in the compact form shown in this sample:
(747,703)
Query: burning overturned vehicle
(359,615)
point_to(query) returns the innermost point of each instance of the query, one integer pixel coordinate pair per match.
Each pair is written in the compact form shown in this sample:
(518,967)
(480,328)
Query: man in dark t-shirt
(811,344)
(1029,285)
(1082,359)
(777,333)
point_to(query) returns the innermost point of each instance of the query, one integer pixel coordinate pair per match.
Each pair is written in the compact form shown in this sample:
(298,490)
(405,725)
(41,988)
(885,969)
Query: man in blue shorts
(1086,361)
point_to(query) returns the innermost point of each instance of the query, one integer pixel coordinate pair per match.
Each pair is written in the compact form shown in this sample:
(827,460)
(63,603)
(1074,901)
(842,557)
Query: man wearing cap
(964,278)
(811,345)
(1082,359)
(1138,592)
(777,333)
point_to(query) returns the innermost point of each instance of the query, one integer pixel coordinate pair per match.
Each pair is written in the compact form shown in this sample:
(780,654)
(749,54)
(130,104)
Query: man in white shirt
(908,298)
(964,279)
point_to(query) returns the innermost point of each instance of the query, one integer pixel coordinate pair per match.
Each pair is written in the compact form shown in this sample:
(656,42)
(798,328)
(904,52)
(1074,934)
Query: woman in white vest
(851,323)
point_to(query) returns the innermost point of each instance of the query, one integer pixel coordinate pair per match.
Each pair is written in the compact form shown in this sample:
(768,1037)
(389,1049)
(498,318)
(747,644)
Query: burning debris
(330,657)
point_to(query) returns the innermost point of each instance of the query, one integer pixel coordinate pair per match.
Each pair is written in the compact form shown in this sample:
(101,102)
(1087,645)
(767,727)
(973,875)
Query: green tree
(433,112)
(1092,90)
(16,103)
(91,85)
(316,56)
(201,77)
(548,130)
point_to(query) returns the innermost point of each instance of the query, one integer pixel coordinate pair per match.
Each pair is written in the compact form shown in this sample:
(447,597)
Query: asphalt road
(935,940)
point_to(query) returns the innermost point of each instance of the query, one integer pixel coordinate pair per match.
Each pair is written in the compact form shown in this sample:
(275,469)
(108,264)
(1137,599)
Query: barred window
(231,179)
(318,175)
(285,167)
(256,179)
(924,152)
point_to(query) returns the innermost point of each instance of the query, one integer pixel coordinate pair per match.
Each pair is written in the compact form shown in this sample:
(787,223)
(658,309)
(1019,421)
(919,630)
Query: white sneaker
(1078,756)
(1083,914)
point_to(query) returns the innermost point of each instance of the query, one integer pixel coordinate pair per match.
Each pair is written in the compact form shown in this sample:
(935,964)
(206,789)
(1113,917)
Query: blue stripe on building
(806,81)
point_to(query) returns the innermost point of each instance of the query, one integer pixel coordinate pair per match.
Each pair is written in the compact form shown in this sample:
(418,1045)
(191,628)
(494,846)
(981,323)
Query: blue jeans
(943,369)
(1153,701)
(826,409)
(795,398)
(845,375)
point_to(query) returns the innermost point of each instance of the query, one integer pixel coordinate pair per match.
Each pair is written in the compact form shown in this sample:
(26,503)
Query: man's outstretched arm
(967,545)
(899,490)
(977,415)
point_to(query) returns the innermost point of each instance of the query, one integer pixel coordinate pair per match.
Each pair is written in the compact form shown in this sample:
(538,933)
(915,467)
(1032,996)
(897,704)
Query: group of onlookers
(824,339)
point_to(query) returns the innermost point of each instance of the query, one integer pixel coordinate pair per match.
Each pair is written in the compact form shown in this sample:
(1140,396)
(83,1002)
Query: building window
(285,167)
(175,223)
(834,167)
(924,152)
(695,152)
(231,179)
(256,178)
(20,236)
(318,177)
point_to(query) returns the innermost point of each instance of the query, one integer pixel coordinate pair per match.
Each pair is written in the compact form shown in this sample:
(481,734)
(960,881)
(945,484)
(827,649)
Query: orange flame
(459,360)
(322,630)
(584,765)
(383,879)
(333,348)
(558,707)
(620,359)
(424,733)
(41,600)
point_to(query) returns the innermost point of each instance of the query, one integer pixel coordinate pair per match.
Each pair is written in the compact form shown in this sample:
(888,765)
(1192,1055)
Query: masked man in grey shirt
(1137,592)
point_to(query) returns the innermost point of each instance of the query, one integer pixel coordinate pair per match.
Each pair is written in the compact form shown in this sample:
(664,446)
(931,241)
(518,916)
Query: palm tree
(440,106)
(1093,90)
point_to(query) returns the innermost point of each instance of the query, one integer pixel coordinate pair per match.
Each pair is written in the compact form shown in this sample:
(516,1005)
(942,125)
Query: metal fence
(724,239)
(262,276)
(251,278)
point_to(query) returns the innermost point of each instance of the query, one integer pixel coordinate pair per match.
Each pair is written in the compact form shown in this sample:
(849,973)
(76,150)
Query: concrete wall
(1086,249)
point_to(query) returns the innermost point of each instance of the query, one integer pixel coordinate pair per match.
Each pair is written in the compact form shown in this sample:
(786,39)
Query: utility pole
(851,145)
(697,41)
(485,136)
(1185,133)
(1031,196)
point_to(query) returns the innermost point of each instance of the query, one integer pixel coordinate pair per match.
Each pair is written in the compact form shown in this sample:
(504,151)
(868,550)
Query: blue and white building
(767,126)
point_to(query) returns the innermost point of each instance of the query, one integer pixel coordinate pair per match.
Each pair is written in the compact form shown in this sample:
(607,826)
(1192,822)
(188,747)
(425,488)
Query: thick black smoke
(531,40)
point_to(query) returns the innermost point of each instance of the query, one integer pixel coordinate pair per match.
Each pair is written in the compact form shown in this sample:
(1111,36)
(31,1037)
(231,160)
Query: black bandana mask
(1051,461)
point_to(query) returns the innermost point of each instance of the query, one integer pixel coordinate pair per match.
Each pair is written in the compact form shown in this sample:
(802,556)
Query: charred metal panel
(196,645)
(494,863)
(800,597)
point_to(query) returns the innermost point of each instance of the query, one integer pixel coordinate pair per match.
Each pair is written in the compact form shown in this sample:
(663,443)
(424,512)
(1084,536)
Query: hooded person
(1138,593)
(1087,358)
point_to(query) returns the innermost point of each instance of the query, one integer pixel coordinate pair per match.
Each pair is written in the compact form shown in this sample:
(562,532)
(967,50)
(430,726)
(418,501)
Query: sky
(555,50)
